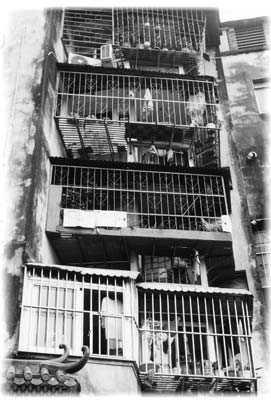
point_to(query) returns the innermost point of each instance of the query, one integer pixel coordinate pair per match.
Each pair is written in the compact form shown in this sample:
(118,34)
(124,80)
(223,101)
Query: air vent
(250,37)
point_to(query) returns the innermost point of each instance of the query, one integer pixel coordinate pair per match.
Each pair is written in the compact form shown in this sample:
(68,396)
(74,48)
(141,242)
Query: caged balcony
(146,36)
(195,340)
(160,36)
(133,201)
(182,338)
(99,110)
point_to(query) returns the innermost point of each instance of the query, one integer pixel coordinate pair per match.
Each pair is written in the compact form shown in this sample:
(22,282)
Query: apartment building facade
(119,229)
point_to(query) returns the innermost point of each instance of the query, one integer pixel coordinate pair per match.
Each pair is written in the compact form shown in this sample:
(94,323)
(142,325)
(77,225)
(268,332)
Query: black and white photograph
(135,199)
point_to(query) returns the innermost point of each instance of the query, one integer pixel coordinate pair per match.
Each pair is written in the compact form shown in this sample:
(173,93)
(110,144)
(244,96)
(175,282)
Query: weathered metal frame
(152,199)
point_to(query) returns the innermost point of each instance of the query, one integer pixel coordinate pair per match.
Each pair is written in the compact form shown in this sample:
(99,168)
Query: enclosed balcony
(195,339)
(143,204)
(99,111)
(160,36)
(182,338)
(146,36)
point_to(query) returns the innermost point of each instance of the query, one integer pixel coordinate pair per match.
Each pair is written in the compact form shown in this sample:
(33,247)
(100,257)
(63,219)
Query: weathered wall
(247,131)
(30,75)
(110,378)
(251,131)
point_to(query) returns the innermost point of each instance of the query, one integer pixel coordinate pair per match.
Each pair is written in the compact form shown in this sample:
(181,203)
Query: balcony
(143,204)
(146,36)
(163,37)
(182,338)
(99,111)
(195,339)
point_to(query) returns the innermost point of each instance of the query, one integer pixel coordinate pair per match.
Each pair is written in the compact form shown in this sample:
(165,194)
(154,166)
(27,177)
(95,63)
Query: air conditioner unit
(106,52)
(83,60)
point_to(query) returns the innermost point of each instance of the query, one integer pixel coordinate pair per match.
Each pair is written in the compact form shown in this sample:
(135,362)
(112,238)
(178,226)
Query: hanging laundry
(148,103)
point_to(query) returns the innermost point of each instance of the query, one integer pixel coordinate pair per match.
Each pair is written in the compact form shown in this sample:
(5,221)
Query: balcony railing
(97,112)
(181,30)
(79,307)
(160,28)
(141,198)
(194,334)
(179,337)
(135,97)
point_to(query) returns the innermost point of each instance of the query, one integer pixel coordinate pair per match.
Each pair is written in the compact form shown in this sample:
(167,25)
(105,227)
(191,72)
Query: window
(262,94)
(77,307)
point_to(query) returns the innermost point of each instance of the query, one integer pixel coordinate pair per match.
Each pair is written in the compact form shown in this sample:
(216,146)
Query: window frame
(78,284)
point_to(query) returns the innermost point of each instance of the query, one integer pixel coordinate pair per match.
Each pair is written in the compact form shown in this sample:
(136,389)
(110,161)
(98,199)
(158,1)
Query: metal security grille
(195,334)
(263,252)
(249,37)
(86,30)
(152,199)
(141,99)
(159,28)
(76,308)
(167,269)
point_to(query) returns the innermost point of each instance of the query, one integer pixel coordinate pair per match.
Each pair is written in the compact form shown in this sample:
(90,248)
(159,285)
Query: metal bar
(231,337)
(109,140)
(160,328)
(223,337)
(177,335)
(200,338)
(168,335)
(76,122)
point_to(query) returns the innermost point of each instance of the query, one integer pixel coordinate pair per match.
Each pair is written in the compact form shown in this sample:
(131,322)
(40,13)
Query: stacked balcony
(140,207)
(164,37)
(145,36)
(143,204)
(193,340)
(101,111)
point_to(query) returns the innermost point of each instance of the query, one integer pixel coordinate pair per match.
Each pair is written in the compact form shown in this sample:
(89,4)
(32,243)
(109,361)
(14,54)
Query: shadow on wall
(12,311)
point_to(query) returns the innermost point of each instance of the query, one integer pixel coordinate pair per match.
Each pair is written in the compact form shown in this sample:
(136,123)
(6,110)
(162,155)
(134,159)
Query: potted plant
(207,367)
(217,370)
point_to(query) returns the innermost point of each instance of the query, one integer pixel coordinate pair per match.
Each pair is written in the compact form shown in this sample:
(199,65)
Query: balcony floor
(75,245)
(190,383)
(160,58)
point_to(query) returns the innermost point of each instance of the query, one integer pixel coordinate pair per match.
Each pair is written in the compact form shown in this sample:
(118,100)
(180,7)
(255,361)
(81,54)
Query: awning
(88,271)
(177,287)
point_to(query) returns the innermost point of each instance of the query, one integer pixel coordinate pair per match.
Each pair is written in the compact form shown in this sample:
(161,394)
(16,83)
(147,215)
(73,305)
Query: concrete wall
(29,74)
(110,378)
(251,131)
(247,131)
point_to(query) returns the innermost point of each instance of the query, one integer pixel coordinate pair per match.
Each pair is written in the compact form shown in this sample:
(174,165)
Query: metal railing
(151,199)
(160,28)
(79,309)
(136,98)
(195,334)
(179,29)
